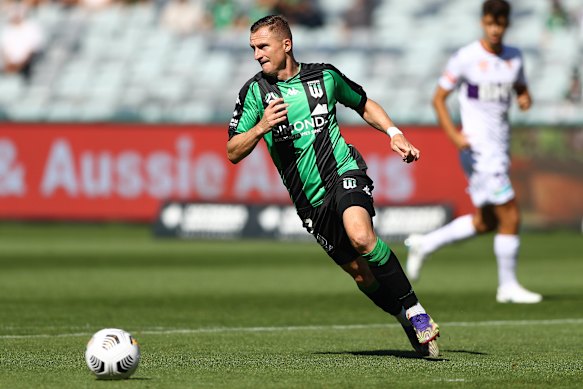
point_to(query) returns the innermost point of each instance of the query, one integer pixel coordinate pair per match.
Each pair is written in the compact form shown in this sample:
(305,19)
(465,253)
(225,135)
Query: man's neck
(291,69)
(494,49)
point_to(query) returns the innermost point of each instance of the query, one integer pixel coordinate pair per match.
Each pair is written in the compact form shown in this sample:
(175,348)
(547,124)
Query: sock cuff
(507,238)
(510,242)
(379,255)
(415,310)
(468,222)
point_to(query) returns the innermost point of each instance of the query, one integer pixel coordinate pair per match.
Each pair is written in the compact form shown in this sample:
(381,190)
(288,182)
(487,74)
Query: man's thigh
(326,226)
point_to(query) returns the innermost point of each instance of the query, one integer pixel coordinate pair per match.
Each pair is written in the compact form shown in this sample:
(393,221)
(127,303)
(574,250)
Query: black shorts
(325,221)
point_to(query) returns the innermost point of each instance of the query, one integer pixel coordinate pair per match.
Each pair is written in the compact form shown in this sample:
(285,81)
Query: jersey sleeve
(246,113)
(452,73)
(347,92)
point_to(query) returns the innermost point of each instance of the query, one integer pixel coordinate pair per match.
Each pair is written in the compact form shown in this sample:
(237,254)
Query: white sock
(402,318)
(460,228)
(506,250)
(415,310)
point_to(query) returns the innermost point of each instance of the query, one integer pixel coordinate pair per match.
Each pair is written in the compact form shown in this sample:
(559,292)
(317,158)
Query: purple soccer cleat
(427,332)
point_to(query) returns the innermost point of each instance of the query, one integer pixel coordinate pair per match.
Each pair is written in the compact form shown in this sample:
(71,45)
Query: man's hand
(523,97)
(524,101)
(460,141)
(238,147)
(275,113)
(406,150)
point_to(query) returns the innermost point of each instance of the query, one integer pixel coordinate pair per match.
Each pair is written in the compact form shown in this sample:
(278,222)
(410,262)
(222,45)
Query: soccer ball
(112,354)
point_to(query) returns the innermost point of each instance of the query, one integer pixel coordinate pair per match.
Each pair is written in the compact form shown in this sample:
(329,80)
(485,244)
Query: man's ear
(287,45)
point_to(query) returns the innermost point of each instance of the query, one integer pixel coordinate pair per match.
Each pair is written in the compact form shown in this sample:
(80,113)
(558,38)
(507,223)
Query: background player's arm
(523,97)
(444,118)
(241,145)
(377,117)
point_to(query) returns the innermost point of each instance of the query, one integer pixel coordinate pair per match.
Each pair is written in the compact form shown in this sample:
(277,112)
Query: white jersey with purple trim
(486,82)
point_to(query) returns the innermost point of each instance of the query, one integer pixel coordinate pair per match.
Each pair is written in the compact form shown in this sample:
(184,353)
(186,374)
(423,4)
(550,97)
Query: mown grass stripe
(164,331)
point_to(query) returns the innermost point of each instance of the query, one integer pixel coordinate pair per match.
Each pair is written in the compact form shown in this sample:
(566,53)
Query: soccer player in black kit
(292,107)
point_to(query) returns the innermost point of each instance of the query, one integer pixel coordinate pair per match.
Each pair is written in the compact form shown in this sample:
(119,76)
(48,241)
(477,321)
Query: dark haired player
(487,73)
(292,107)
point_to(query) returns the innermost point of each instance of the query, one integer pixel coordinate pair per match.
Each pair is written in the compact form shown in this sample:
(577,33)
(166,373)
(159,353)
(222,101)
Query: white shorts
(486,187)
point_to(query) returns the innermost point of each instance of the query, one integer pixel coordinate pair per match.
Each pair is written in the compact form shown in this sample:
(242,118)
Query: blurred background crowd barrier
(171,70)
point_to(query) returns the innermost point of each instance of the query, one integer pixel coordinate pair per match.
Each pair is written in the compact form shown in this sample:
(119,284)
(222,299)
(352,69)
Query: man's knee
(358,226)
(485,220)
(483,226)
(363,241)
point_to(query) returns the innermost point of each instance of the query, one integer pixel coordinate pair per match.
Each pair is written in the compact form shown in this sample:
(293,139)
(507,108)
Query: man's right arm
(444,118)
(242,144)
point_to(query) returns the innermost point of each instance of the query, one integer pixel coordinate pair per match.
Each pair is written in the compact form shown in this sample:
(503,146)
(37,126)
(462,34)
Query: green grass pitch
(259,314)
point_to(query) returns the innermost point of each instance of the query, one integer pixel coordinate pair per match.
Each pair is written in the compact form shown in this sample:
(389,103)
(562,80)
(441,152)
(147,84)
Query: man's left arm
(377,117)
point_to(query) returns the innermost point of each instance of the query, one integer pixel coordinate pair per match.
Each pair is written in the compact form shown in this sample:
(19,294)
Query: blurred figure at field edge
(184,17)
(360,14)
(291,106)
(304,13)
(558,17)
(573,94)
(21,42)
(487,74)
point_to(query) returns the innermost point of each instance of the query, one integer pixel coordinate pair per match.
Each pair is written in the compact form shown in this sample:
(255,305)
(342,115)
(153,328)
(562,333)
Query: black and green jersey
(307,149)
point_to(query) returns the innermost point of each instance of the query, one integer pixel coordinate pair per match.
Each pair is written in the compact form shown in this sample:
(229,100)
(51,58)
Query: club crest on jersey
(315,89)
(270,96)
(349,183)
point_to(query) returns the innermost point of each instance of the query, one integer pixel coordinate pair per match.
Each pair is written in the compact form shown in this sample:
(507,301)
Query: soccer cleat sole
(433,349)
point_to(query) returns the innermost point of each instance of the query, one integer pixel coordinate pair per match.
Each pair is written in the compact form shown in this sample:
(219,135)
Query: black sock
(381,296)
(392,277)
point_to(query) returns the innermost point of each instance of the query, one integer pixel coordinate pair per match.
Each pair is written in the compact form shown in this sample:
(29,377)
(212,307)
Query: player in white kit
(486,73)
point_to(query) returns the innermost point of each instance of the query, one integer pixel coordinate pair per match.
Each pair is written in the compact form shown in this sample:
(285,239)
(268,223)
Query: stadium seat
(11,86)
(120,63)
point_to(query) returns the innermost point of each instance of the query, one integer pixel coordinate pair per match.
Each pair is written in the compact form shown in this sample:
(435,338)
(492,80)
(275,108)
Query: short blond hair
(276,24)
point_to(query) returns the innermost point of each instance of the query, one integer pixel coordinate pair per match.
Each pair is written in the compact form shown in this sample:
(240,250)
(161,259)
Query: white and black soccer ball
(112,354)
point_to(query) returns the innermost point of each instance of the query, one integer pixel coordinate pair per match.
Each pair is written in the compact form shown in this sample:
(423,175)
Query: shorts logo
(315,89)
(349,183)
(309,226)
(366,190)
(324,243)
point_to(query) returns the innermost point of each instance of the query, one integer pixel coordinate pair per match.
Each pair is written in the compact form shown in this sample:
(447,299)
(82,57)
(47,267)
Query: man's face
(494,29)
(269,50)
